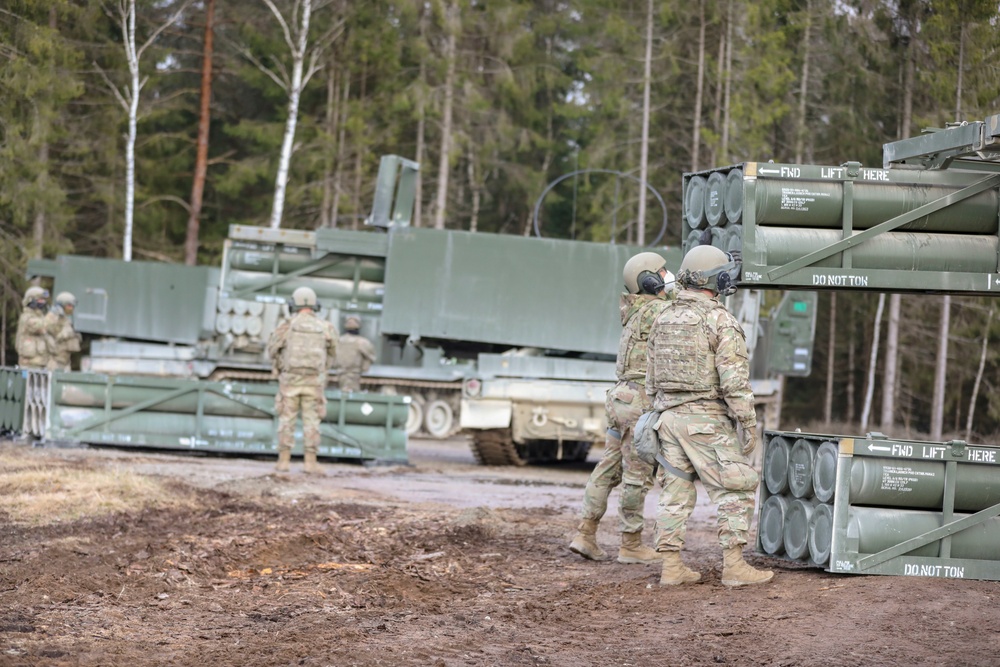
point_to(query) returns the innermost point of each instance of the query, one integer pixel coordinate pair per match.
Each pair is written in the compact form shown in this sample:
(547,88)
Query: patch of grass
(40,491)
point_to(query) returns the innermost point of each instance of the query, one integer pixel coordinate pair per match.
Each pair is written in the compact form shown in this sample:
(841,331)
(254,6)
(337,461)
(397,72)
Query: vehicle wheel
(415,417)
(439,418)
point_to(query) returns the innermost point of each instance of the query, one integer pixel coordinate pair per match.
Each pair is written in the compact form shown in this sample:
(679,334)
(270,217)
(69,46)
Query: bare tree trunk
(40,214)
(719,75)
(129,101)
(476,188)
(959,74)
(338,169)
(940,369)
(979,375)
(359,153)
(298,41)
(201,156)
(889,387)
(729,78)
(421,129)
(330,121)
(699,89)
(547,157)
(133,115)
(800,134)
(872,362)
(891,364)
(444,165)
(831,350)
(644,145)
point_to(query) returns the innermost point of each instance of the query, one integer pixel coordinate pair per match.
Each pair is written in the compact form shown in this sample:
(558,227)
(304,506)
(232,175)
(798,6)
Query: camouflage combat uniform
(301,349)
(355,355)
(625,402)
(30,341)
(699,376)
(62,339)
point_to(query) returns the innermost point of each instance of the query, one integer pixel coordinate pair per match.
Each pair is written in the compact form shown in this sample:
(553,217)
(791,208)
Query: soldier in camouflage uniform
(30,341)
(649,286)
(62,339)
(301,349)
(355,355)
(699,377)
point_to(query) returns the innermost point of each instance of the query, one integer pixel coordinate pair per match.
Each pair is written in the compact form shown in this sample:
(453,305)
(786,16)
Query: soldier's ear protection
(725,275)
(650,283)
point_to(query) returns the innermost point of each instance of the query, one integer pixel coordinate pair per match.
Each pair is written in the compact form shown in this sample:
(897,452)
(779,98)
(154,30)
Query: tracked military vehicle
(510,338)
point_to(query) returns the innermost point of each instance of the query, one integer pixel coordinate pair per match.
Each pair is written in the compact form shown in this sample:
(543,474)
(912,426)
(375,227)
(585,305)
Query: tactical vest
(682,358)
(30,346)
(305,347)
(632,345)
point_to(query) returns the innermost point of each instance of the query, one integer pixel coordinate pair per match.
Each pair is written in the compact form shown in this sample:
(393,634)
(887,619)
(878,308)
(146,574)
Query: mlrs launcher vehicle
(510,338)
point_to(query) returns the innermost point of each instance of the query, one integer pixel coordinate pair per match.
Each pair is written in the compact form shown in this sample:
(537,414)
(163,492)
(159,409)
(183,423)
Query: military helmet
(352,322)
(639,269)
(304,297)
(707,267)
(34,294)
(65,299)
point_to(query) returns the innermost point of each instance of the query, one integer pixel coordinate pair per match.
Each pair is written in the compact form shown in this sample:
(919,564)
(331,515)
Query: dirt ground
(440,563)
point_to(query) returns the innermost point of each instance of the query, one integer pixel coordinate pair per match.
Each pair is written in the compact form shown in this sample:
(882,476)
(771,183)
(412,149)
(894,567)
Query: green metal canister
(821,533)
(342,266)
(715,199)
(733,204)
(807,203)
(902,251)
(796,529)
(775,469)
(357,409)
(326,288)
(772,524)
(878,528)
(891,482)
(825,471)
(694,202)
(800,469)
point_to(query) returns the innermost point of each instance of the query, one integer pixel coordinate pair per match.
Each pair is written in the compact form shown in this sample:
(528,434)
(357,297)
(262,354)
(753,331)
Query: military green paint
(506,289)
(115,298)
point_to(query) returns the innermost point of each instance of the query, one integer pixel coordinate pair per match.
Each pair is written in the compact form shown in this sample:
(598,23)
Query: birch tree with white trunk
(124,13)
(306,61)
(644,146)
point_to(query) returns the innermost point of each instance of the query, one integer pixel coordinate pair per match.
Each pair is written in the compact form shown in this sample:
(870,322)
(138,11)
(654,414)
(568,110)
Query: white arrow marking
(876,448)
(770,171)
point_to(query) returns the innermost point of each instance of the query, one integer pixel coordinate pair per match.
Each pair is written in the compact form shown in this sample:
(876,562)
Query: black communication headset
(725,284)
(651,283)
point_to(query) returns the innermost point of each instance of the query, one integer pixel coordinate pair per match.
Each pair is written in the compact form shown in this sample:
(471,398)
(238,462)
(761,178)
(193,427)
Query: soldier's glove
(749,440)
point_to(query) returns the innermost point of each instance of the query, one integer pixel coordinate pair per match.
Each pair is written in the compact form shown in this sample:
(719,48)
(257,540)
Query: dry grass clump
(40,490)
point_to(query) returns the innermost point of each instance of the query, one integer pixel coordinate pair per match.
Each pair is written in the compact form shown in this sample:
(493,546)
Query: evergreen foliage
(541,88)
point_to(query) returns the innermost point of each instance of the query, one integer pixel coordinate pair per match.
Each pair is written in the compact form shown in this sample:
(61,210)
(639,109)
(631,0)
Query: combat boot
(311,467)
(585,542)
(675,572)
(634,551)
(736,572)
(284,460)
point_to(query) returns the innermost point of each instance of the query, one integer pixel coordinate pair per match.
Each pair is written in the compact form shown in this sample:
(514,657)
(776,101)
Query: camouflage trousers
(625,403)
(310,400)
(705,444)
(349,380)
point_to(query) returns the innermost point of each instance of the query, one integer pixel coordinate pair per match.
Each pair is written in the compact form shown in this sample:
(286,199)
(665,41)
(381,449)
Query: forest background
(241,111)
